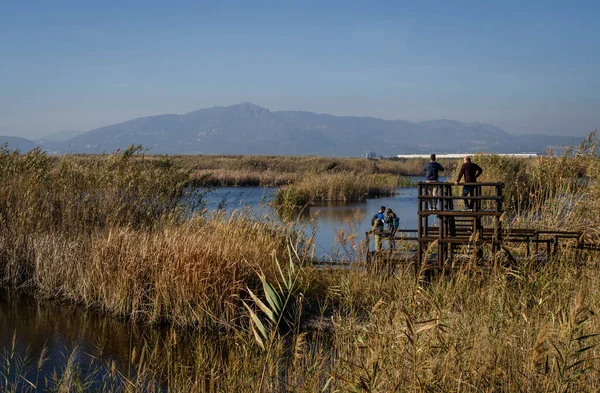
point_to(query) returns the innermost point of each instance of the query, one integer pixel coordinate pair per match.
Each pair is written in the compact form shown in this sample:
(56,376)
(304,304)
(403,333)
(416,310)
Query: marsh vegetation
(246,310)
(266,171)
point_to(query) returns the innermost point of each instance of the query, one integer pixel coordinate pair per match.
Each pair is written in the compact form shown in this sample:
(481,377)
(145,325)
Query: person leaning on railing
(471,172)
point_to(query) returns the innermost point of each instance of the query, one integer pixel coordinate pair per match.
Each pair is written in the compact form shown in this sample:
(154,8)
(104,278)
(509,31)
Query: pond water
(328,218)
(61,329)
(30,328)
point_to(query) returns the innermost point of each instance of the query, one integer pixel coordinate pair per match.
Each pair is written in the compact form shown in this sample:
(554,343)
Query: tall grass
(242,178)
(42,193)
(336,187)
(527,328)
(291,164)
(109,232)
(187,274)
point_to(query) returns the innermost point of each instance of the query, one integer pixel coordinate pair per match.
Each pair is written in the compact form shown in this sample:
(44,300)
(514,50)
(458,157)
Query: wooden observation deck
(447,227)
(457,224)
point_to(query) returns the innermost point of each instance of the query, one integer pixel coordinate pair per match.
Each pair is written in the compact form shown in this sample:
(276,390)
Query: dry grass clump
(193,273)
(42,193)
(281,164)
(413,166)
(71,197)
(523,329)
(336,187)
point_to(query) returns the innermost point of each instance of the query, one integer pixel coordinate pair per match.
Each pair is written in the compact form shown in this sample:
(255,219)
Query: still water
(39,337)
(61,329)
(328,218)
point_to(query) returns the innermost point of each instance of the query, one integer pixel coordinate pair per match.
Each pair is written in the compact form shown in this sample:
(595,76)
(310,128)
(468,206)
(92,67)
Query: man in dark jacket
(431,169)
(471,172)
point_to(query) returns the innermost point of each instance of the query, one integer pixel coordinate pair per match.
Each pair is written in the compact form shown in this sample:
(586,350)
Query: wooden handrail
(451,183)
(481,198)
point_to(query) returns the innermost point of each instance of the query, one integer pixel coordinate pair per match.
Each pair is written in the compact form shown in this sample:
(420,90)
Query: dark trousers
(468,190)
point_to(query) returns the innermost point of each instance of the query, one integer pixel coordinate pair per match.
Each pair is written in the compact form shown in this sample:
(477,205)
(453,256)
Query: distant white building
(461,155)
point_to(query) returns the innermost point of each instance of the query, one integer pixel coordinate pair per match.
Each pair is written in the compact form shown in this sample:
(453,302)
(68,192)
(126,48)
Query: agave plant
(280,297)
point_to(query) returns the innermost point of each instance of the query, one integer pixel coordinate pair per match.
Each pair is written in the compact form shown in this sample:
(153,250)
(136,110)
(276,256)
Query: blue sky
(523,66)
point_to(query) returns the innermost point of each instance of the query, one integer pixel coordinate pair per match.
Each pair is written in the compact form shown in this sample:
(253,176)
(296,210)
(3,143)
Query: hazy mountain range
(249,129)
(61,136)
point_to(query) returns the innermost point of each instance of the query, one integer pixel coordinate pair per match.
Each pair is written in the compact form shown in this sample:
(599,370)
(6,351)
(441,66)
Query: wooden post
(495,239)
(367,243)
(485,221)
(419,231)
(441,244)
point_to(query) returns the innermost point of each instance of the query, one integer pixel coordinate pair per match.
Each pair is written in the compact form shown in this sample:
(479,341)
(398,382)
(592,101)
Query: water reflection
(152,359)
(60,329)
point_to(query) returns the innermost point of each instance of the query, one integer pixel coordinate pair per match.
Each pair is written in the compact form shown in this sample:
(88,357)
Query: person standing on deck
(377,226)
(393,223)
(471,172)
(432,169)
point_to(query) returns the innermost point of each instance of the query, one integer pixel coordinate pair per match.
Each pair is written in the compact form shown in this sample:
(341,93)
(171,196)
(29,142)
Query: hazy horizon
(526,68)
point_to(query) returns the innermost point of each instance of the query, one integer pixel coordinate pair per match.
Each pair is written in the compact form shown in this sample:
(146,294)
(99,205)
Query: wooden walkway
(462,232)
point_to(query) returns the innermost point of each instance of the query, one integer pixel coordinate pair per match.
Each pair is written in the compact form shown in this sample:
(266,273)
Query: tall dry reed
(336,187)
(189,274)
(109,232)
(525,328)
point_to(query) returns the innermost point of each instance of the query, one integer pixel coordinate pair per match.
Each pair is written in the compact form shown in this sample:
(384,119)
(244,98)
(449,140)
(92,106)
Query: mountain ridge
(17,143)
(248,128)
